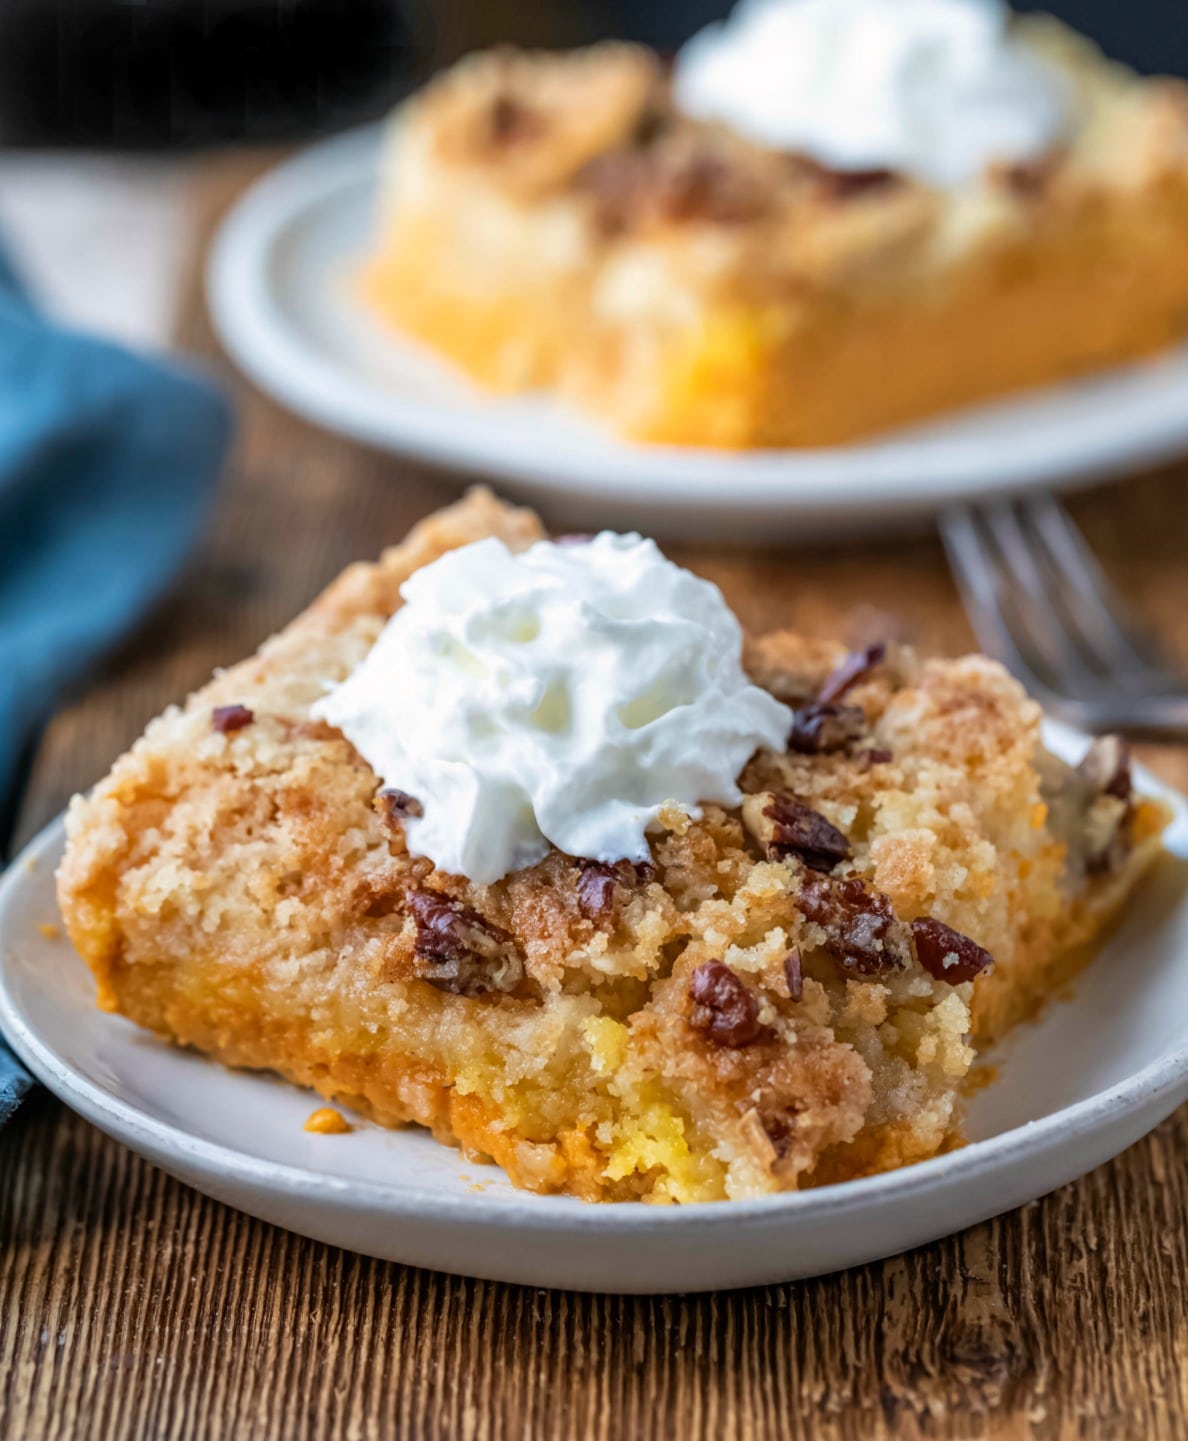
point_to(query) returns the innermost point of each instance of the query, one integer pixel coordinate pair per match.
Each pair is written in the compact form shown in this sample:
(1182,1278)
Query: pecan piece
(1106,767)
(1027,179)
(860,927)
(600,885)
(770,1129)
(1107,835)
(398,805)
(460,951)
(510,121)
(670,185)
(787,827)
(596,888)
(946,954)
(794,975)
(842,185)
(779,1126)
(710,188)
(1109,810)
(723,1009)
(819,729)
(229,718)
(848,672)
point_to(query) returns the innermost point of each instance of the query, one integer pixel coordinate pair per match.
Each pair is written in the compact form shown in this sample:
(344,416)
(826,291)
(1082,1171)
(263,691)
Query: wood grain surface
(132,1307)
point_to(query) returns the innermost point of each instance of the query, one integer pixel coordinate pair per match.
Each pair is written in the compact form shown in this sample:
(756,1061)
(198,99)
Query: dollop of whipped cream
(561,695)
(935,89)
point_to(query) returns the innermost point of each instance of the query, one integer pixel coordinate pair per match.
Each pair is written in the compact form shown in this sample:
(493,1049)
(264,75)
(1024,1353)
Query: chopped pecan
(819,729)
(600,885)
(1109,810)
(510,121)
(875,756)
(1023,178)
(779,1126)
(1106,767)
(842,185)
(709,187)
(1028,179)
(398,805)
(1107,834)
(460,951)
(614,186)
(723,1009)
(596,890)
(794,975)
(860,927)
(854,668)
(946,954)
(228,718)
(798,830)
(770,1129)
(670,184)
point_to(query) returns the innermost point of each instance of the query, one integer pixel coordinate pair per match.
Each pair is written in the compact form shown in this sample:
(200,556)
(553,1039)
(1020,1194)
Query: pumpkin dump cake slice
(773,990)
(781,242)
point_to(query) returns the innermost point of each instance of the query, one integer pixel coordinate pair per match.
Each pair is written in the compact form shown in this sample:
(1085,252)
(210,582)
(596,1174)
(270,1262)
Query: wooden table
(133,1307)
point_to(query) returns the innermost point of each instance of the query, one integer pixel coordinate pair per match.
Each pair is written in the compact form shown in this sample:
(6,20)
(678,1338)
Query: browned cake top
(598,129)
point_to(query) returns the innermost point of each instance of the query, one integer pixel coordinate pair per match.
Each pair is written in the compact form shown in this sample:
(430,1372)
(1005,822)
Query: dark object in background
(136,73)
(1151,35)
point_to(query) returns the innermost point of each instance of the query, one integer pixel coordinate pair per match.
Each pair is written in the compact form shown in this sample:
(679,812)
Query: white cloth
(100,240)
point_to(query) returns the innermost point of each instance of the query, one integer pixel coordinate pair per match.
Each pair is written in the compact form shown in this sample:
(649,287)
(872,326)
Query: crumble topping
(683,175)
(537,119)
(601,127)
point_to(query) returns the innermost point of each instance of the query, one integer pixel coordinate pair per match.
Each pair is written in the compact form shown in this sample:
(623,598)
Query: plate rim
(1147,1088)
(893,473)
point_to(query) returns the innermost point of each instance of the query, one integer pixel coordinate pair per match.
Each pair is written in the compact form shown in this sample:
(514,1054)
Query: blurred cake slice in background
(828,218)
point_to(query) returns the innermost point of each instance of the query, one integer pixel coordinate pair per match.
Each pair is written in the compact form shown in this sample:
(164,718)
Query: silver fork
(1038,601)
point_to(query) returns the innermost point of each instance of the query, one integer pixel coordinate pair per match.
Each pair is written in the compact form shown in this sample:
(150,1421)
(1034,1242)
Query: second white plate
(280,299)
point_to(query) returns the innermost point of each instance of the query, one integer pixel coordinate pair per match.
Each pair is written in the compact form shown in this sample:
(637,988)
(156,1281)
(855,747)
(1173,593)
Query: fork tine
(1095,608)
(1027,591)
(976,572)
(1037,608)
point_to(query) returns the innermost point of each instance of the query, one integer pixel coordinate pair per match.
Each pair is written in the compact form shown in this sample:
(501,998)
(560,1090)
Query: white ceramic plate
(1093,1076)
(280,298)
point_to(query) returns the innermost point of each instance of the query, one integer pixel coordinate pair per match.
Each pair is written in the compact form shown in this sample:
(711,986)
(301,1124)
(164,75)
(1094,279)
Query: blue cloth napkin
(108,464)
